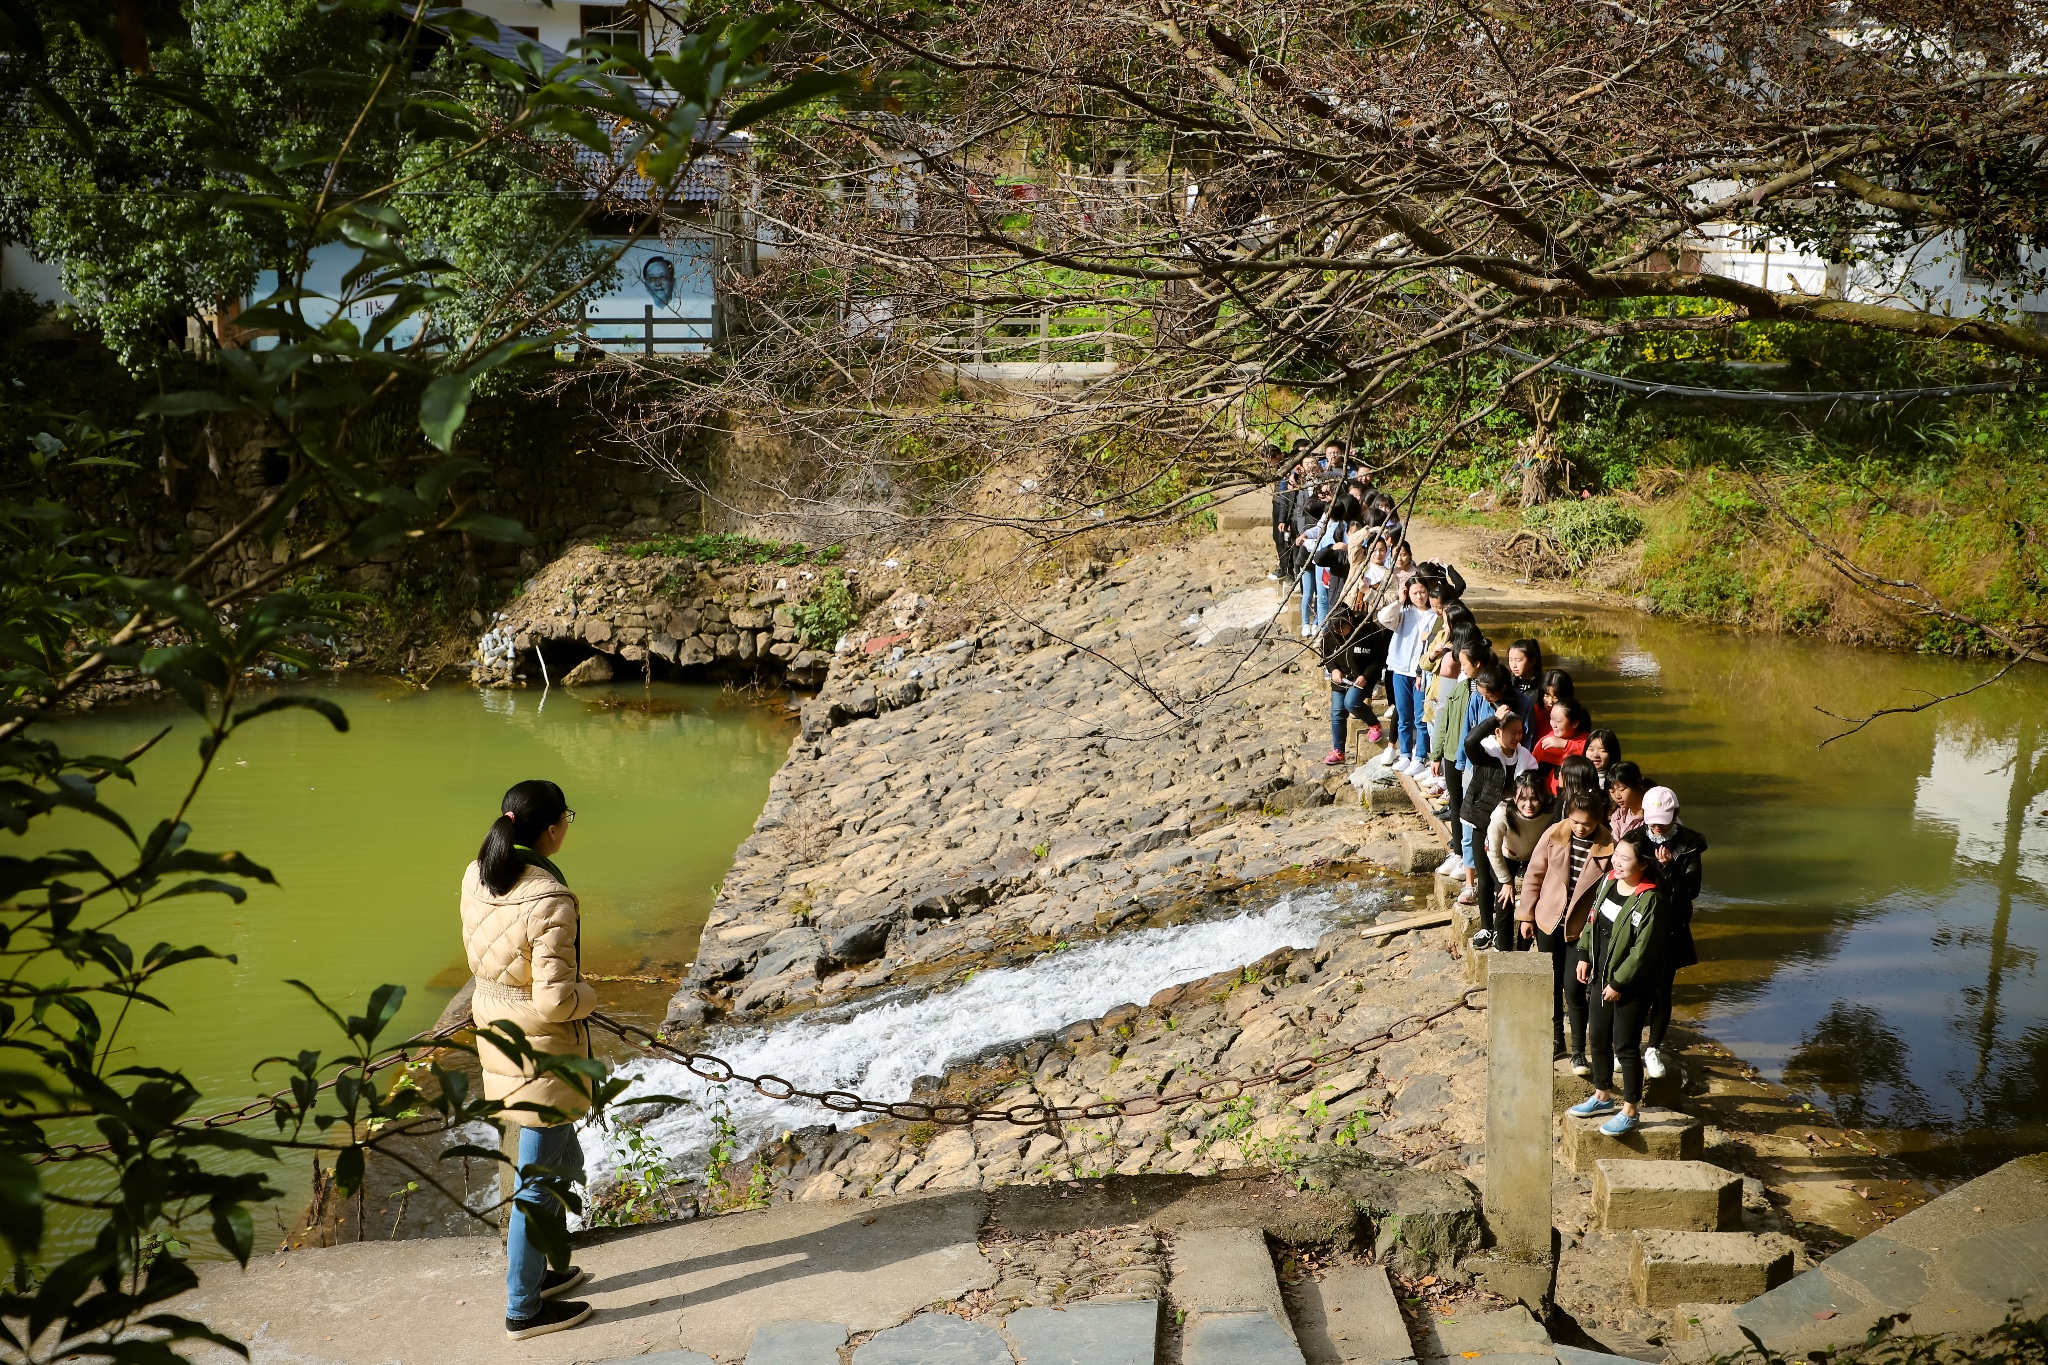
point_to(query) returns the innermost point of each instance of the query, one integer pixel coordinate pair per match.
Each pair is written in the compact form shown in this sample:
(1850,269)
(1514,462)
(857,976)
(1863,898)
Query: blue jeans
(1468,836)
(1407,710)
(558,1148)
(1311,589)
(1347,701)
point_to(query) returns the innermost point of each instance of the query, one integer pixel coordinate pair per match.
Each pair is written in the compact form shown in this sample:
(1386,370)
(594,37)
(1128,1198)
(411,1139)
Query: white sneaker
(1272,578)
(1653,1062)
(1451,866)
(1404,765)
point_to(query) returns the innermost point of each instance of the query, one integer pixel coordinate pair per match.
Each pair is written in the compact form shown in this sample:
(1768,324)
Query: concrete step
(1680,1196)
(797,1341)
(1349,1317)
(1223,1284)
(1956,1264)
(1669,1268)
(1567,1088)
(1086,1334)
(1508,1336)
(935,1339)
(1662,1135)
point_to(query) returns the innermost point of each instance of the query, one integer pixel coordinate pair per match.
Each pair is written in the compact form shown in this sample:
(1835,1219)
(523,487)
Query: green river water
(1875,912)
(1873,924)
(368,833)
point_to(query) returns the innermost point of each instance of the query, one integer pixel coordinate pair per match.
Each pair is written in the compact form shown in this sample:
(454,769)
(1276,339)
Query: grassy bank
(1948,494)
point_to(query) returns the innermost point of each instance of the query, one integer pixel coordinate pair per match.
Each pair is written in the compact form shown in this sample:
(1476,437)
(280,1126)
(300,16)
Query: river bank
(1131,750)
(1123,755)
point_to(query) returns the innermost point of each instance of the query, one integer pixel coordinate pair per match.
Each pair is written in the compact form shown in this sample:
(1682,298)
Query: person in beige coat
(523,930)
(1565,878)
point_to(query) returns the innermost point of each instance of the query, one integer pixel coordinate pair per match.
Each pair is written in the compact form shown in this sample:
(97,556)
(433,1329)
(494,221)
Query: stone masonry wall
(595,614)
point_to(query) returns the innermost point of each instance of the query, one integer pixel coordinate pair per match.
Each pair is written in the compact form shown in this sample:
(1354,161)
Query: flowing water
(881,1048)
(368,833)
(1873,923)
(1876,910)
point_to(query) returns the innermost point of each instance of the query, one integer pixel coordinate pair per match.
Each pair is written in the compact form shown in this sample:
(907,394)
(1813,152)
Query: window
(524,30)
(611,24)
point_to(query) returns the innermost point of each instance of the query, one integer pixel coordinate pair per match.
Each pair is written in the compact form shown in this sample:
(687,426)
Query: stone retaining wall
(595,614)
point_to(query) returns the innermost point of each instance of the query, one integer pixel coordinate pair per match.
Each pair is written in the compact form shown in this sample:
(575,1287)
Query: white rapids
(879,1051)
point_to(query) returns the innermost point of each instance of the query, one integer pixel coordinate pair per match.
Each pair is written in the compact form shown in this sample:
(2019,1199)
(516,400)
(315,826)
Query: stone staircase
(1228,1310)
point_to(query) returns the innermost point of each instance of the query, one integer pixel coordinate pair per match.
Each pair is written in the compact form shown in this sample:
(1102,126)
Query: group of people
(1564,846)
(1329,524)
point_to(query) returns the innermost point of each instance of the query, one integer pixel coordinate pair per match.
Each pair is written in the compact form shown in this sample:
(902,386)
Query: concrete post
(1518,1137)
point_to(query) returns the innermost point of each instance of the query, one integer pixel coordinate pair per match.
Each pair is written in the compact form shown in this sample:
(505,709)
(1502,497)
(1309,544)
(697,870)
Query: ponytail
(529,809)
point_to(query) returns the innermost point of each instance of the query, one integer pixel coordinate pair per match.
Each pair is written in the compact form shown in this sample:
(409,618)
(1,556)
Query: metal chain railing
(718,1071)
(710,1067)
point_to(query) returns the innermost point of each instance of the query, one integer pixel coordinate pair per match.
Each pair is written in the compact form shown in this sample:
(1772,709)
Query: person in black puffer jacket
(1354,649)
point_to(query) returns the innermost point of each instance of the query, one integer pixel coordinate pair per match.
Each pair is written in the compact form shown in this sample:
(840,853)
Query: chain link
(710,1067)
(718,1071)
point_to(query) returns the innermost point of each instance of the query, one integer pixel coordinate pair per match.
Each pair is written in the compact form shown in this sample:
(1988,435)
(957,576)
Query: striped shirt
(1580,848)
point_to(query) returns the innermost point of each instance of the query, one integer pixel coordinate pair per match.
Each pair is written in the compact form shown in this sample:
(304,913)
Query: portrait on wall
(658,274)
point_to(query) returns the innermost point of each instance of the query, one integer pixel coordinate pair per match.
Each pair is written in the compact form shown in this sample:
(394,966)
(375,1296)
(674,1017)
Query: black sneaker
(558,1282)
(1483,940)
(556,1315)
(1581,1067)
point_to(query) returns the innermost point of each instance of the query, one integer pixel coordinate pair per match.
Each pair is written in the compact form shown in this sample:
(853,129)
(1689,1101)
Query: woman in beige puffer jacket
(522,930)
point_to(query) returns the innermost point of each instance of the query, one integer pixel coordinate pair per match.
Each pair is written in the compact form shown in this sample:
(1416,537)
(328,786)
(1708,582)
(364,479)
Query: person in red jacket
(1570,728)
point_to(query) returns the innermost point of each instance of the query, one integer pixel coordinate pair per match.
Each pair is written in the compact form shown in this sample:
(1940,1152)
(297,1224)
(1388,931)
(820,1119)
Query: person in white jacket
(1409,618)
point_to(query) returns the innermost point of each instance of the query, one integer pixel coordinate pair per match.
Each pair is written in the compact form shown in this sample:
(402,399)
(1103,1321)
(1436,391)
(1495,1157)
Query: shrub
(830,612)
(1585,530)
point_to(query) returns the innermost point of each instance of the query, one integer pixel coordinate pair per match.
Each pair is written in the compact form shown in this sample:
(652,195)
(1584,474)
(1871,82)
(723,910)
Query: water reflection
(1873,918)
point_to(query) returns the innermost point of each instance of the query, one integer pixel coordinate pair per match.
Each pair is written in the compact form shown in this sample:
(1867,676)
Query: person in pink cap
(1678,851)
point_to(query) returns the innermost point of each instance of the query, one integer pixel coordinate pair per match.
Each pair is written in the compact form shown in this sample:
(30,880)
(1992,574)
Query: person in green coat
(1619,960)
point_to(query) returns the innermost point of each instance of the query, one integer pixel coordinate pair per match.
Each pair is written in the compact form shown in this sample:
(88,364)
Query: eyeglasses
(569,816)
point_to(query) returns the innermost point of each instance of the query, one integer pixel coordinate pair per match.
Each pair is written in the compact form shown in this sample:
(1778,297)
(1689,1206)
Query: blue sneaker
(1618,1125)
(1591,1105)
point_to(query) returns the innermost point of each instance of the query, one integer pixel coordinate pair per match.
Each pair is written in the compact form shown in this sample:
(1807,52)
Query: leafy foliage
(1586,529)
(830,611)
(119,1148)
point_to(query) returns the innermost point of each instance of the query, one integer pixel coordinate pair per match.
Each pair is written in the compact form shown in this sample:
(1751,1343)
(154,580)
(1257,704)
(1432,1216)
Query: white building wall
(21,270)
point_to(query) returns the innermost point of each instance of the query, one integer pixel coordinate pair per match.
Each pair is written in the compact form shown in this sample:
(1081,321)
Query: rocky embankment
(594,615)
(1130,748)
(1418,1104)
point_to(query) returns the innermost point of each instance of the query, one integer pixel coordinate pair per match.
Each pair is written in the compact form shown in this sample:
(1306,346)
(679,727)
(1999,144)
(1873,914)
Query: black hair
(1467,639)
(1593,802)
(1531,651)
(1611,740)
(1626,775)
(1457,616)
(1560,682)
(529,809)
(1530,782)
(1494,679)
(1581,720)
(1337,442)
(1577,774)
(1345,508)
(1647,867)
(1301,443)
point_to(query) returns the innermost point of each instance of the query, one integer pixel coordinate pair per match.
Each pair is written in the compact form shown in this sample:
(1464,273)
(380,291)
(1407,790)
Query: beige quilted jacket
(525,953)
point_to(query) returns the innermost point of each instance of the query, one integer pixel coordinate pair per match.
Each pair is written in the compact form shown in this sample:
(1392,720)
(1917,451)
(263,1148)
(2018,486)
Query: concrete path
(705,1286)
(1955,1265)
